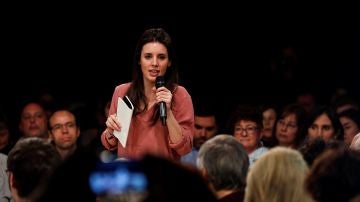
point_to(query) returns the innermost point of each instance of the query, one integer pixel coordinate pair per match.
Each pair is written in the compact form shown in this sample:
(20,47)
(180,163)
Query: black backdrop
(80,54)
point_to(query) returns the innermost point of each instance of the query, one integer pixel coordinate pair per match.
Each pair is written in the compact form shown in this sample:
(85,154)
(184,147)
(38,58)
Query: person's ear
(51,135)
(78,131)
(204,173)
(11,180)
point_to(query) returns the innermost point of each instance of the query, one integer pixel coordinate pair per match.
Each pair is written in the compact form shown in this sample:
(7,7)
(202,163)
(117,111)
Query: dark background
(81,53)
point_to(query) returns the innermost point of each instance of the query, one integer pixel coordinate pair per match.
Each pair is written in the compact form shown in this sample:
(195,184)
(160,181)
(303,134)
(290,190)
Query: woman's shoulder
(123,86)
(121,89)
(180,91)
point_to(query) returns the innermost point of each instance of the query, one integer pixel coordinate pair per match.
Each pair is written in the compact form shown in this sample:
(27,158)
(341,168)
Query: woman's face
(269,118)
(350,129)
(287,130)
(248,134)
(154,61)
(322,127)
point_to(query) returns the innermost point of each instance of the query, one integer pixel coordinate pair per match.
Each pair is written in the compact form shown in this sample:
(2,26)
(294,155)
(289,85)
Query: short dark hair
(246,113)
(32,161)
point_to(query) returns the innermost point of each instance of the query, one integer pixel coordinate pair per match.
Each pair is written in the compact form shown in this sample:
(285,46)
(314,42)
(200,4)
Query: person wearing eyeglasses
(290,128)
(64,132)
(247,126)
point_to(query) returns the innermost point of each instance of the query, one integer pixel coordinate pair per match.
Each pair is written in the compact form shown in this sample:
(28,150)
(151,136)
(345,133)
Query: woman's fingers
(113,123)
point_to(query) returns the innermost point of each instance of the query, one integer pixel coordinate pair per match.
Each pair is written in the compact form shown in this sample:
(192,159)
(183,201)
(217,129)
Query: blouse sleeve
(184,113)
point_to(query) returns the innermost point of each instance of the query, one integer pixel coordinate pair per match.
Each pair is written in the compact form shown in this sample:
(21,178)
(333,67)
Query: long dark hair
(136,91)
(334,118)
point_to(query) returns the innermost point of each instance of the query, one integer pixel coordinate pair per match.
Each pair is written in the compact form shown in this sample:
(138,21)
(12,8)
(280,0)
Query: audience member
(30,164)
(269,114)
(324,123)
(290,129)
(64,132)
(205,128)
(6,141)
(312,148)
(70,181)
(350,121)
(278,176)
(335,176)
(247,127)
(224,163)
(33,121)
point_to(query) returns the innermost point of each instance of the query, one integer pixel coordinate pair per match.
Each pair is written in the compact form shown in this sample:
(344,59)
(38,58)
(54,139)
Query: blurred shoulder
(3,159)
(181,91)
(123,86)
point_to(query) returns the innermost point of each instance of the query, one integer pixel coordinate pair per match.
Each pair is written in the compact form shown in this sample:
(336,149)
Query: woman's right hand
(112,124)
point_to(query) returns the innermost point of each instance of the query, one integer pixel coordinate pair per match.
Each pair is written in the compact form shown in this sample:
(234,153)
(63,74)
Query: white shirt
(256,154)
(5,194)
(355,143)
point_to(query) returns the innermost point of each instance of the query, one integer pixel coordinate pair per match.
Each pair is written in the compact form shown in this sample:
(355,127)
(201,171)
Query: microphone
(160,81)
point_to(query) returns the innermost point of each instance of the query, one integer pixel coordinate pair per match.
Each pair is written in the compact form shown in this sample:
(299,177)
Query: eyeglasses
(58,127)
(248,130)
(282,123)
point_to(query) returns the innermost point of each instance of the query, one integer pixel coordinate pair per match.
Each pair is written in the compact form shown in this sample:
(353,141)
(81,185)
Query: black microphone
(160,81)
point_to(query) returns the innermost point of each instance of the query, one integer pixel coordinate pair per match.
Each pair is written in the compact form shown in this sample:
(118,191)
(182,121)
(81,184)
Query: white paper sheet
(123,114)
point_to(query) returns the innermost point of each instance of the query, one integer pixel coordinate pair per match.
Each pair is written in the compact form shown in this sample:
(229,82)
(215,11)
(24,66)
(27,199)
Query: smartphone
(119,181)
